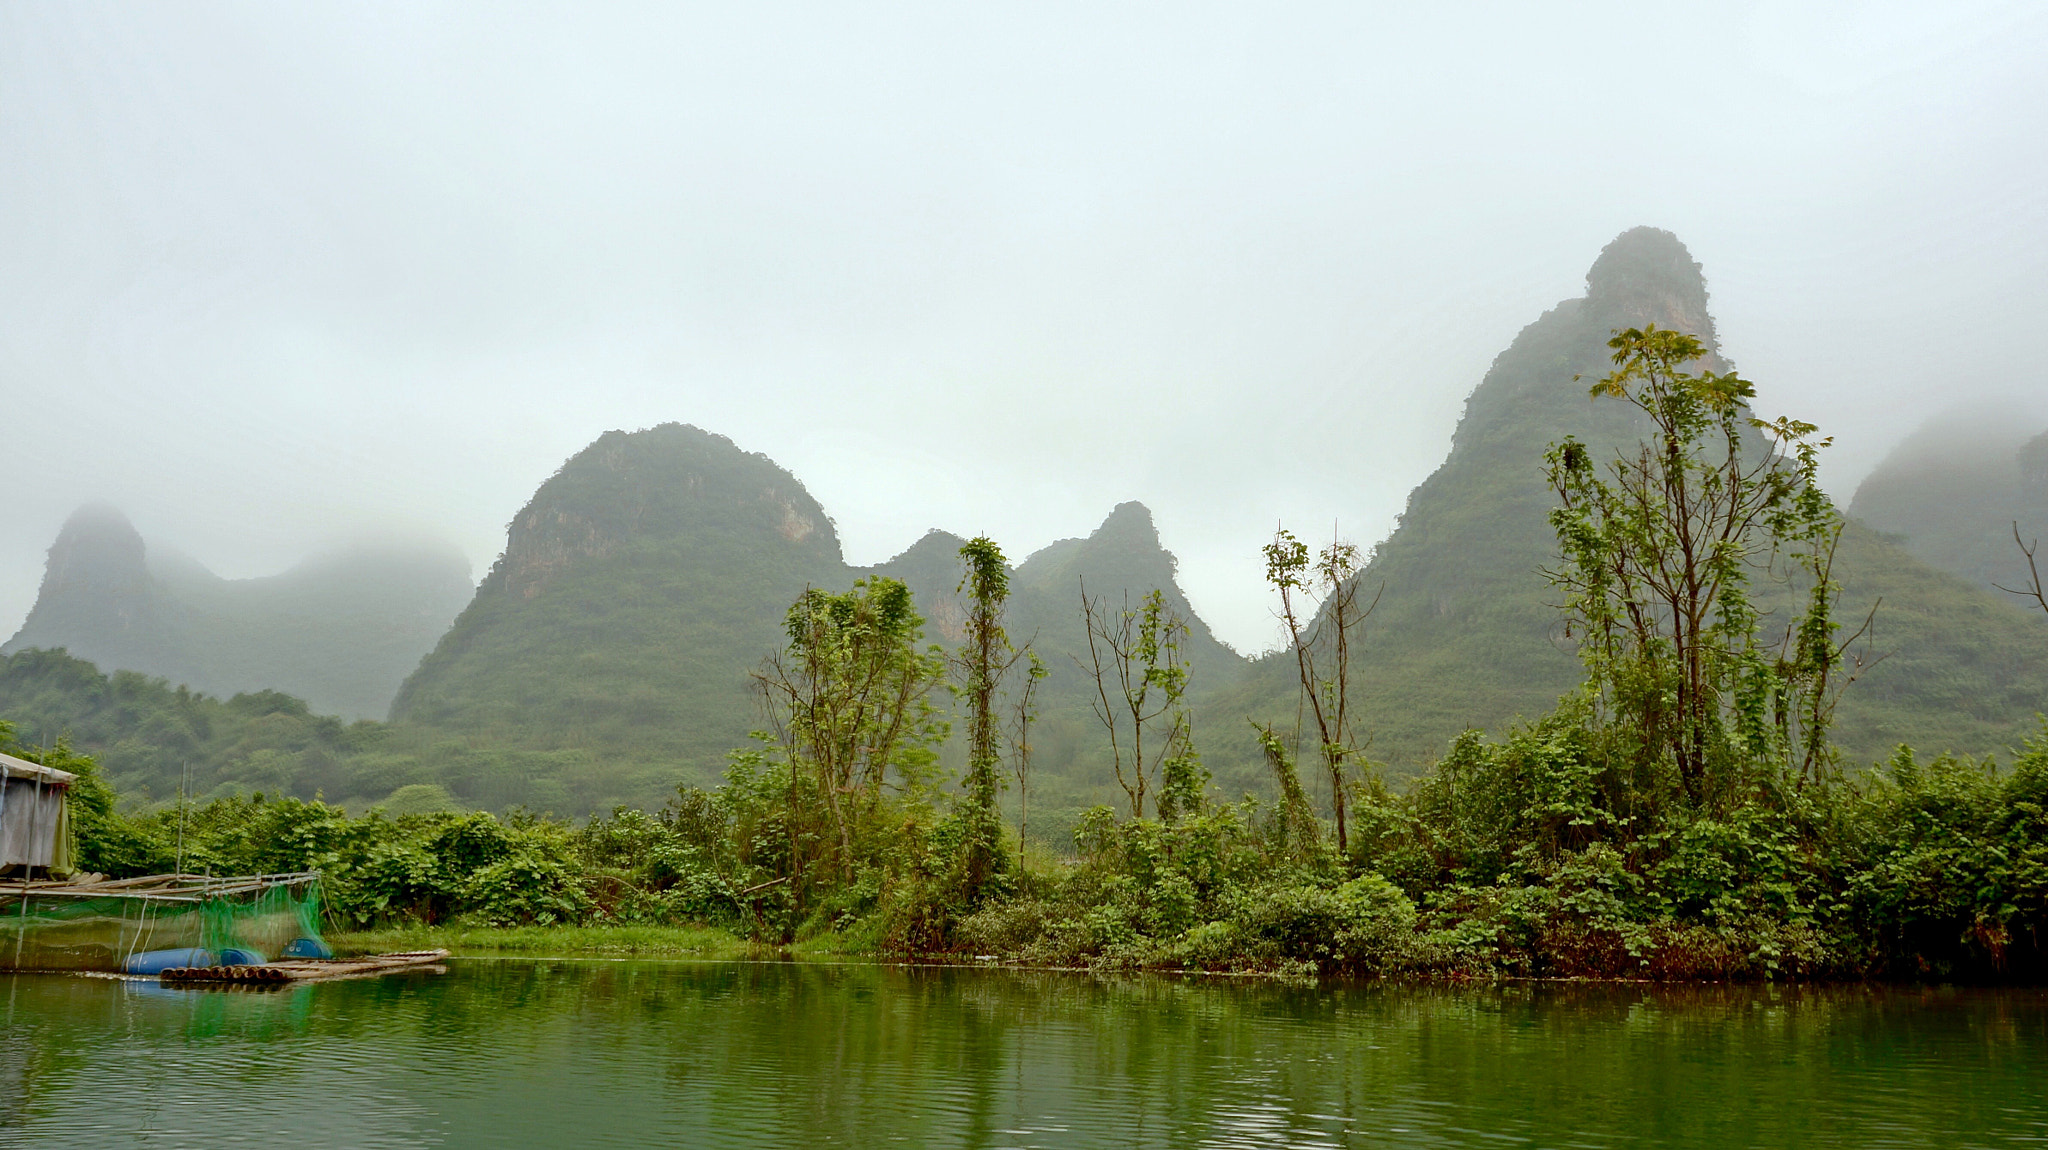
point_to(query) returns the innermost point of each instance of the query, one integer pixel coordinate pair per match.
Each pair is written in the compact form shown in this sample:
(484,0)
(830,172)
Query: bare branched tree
(1023,710)
(2033,590)
(1140,675)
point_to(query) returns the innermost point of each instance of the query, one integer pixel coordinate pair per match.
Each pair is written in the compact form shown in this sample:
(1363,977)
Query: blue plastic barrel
(306,948)
(158,961)
(236,956)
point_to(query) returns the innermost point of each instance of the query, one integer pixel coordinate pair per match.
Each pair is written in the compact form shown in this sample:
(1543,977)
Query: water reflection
(503,1053)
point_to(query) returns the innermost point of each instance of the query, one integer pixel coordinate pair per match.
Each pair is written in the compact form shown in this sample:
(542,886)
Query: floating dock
(308,970)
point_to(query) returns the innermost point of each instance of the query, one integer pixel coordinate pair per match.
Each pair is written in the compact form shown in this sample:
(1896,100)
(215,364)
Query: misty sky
(273,276)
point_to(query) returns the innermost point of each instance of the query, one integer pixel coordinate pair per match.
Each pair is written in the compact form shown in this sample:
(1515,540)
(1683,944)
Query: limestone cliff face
(1539,384)
(1646,276)
(931,568)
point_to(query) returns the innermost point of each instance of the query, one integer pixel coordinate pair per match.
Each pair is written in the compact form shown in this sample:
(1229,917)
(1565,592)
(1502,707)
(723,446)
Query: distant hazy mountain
(341,630)
(647,579)
(1952,491)
(1464,635)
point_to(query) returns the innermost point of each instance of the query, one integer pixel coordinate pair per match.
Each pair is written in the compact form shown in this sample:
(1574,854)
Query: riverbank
(562,940)
(559,941)
(1518,858)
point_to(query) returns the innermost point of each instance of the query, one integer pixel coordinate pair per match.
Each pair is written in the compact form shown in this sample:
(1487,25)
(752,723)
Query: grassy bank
(558,941)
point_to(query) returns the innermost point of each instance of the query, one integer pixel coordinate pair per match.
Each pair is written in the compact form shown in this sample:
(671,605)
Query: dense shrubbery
(1510,858)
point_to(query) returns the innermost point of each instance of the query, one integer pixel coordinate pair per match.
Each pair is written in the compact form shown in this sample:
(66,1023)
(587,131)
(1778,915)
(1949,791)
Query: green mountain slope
(1953,490)
(1464,635)
(638,589)
(646,581)
(340,630)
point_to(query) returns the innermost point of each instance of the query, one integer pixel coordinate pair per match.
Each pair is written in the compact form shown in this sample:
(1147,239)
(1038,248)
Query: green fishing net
(45,931)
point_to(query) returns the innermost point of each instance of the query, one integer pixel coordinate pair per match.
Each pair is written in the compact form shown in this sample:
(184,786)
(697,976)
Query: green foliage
(849,702)
(1656,563)
(1516,856)
(1219,889)
(1946,865)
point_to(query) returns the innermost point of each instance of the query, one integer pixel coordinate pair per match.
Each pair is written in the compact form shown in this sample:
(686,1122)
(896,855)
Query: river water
(593,1053)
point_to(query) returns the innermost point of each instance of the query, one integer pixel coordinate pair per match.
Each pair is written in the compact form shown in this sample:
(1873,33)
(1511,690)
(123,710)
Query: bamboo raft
(310,969)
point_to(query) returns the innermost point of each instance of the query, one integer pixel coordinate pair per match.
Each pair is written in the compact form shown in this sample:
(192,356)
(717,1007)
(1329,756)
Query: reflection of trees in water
(777,1053)
(15,1076)
(842,1052)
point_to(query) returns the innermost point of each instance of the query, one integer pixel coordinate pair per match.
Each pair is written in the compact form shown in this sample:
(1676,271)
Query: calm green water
(546,1053)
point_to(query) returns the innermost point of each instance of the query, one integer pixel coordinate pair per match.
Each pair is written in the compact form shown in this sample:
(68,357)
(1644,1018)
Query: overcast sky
(277,275)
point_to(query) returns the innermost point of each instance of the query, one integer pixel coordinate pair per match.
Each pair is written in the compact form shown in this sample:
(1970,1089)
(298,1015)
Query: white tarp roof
(13,768)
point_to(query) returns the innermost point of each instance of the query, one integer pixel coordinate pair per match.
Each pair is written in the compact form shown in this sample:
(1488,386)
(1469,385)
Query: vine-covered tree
(983,658)
(1657,553)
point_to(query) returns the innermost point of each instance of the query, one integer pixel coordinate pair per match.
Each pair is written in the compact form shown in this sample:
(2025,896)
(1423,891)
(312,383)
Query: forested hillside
(152,738)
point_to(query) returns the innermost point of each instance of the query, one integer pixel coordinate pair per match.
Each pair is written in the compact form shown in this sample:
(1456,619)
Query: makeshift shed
(35,819)
(54,919)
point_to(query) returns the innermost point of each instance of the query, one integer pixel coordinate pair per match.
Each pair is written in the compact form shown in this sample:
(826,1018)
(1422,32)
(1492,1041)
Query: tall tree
(1023,712)
(1656,560)
(1324,588)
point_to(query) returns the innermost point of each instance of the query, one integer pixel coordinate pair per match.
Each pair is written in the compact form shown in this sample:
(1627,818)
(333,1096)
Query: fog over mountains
(280,274)
(608,652)
(338,630)
(1956,491)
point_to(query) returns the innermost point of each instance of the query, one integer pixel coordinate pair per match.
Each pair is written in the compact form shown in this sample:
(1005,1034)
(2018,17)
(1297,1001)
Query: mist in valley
(278,279)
